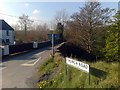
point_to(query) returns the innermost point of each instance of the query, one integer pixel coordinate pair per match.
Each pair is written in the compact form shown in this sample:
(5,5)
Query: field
(52,74)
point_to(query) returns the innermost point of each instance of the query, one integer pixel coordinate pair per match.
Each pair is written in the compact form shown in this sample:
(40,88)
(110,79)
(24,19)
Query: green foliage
(103,75)
(46,67)
(111,49)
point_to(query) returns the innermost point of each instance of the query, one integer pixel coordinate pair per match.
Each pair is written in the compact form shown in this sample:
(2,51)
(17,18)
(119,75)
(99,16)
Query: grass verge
(52,75)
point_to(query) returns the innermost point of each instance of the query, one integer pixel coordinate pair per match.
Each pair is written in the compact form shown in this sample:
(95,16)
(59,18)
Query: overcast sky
(43,11)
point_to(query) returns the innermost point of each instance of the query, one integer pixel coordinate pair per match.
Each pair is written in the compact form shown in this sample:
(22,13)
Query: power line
(16,16)
(9,15)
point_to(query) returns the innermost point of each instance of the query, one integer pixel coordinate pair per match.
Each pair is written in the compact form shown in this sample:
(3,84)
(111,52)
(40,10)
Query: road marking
(1,68)
(31,61)
(35,60)
(0,64)
(28,63)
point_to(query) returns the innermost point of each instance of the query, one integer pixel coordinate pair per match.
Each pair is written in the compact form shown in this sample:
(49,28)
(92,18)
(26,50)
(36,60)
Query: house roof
(5,26)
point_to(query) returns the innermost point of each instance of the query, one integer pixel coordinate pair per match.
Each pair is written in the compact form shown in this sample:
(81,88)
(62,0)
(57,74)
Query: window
(7,40)
(0,41)
(3,41)
(7,33)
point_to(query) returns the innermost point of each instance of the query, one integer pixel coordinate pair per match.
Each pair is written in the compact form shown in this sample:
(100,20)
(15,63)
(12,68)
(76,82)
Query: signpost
(53,45)
(79,65)
(53,38)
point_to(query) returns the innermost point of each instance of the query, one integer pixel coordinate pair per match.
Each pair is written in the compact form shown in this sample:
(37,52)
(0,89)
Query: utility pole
(119,6)
(25,30)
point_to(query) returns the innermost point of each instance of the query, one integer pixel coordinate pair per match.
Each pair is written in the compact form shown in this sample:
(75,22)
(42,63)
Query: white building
(6,34)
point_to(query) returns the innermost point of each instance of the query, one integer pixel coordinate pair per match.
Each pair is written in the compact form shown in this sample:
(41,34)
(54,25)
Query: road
(19,71)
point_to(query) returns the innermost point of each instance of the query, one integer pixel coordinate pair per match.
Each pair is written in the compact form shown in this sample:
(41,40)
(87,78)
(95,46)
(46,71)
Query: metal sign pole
(79,65)
(89,75)
(52,45)
(65,68)
(66,72)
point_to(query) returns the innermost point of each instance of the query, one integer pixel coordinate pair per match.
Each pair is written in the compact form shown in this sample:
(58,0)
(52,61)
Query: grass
(103,75)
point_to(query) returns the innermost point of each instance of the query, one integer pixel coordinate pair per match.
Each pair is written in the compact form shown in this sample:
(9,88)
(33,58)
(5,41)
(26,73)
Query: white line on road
(1,68)
(31,61)
(35,60)
(1,64)
(28,63)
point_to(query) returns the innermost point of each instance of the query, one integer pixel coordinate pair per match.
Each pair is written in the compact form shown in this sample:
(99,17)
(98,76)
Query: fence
(12,49)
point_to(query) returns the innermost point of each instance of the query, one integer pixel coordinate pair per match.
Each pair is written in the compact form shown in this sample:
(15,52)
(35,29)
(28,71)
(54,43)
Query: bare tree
(16,27)
(36,32)
(88,23)
(41,32)
(25,24)
(61,16)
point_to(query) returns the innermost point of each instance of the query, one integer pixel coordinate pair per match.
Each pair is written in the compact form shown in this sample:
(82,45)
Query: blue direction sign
(52,38)
(56,36)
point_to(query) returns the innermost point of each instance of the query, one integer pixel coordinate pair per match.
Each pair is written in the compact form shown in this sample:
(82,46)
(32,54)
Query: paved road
(18,71)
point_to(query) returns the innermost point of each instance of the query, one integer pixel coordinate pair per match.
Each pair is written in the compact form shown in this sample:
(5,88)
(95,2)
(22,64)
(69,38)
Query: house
(6,34)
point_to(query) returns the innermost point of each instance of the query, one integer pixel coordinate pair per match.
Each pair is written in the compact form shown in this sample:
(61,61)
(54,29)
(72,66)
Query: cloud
(27,4)
(35,11)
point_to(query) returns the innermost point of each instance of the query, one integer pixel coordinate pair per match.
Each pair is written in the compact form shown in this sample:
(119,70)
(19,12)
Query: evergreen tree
(112,50)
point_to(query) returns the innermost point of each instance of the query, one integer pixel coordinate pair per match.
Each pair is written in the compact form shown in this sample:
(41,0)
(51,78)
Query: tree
(42,31)
(25,23)
(112,50)
(60,28)
(37,32)
(88,24)
(61,18)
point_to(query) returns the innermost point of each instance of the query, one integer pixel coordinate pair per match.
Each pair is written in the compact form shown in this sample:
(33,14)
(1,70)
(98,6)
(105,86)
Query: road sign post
(53,46)
(89,74)
(65,68)
(79,65)
(53,38)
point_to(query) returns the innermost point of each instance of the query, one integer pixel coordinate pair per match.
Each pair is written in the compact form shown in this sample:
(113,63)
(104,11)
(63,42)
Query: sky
(41,12)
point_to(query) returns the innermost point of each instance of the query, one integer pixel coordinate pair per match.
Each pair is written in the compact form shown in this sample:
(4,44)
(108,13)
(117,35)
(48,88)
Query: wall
(0,33)
(0,54)
(11,37)
(3,35)
(6,50)
(0,37)
(14,49)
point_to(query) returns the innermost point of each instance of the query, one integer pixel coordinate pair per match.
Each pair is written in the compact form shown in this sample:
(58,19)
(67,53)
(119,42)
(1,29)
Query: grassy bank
(52,75)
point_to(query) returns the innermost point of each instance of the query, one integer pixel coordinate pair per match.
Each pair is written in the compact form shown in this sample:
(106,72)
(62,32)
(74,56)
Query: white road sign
(77,64)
